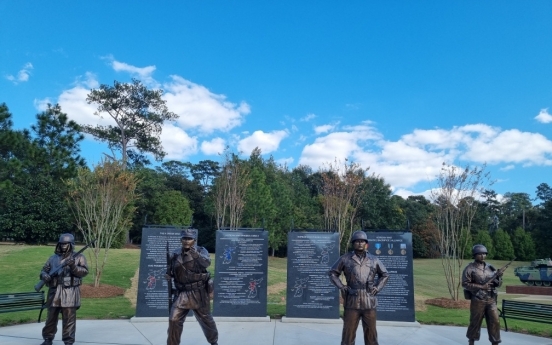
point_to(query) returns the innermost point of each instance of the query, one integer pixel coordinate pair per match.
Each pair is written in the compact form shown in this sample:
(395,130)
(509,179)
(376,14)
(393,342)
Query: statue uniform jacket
(191,278)
(475,275)
(64,289)
(361,276)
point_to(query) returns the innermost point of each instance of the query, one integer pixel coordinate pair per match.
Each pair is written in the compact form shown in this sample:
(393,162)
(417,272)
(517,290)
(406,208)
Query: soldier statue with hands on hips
(188,269)
(63,289)
(365,276)
(480,281)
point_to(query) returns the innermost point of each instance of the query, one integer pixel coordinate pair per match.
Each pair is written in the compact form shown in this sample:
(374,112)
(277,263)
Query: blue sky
(399,87)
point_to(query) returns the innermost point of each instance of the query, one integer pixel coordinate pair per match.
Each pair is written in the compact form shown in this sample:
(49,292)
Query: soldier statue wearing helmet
(475,279)
(188,269)
(359,295)
(63,290)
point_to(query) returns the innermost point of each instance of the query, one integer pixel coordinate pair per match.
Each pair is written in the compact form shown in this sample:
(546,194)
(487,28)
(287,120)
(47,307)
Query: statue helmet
(359,235)
(66,238)
(190,233)
(479,249)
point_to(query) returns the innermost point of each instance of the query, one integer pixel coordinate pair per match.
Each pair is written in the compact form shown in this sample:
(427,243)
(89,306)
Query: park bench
(525,311)
(11,302)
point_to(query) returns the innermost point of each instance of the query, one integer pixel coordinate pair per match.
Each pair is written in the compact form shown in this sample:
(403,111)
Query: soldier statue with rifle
(188,268)
(480,281)
(63,273)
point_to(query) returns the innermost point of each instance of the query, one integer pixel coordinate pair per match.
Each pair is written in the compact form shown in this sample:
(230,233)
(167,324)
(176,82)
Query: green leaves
(138,114)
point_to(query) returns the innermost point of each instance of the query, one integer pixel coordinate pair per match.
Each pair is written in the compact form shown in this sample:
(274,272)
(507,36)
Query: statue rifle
(54,272)
(499,271)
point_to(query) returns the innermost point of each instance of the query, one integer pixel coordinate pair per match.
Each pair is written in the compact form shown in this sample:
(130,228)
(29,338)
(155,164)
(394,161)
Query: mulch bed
(104,290)
(449,303)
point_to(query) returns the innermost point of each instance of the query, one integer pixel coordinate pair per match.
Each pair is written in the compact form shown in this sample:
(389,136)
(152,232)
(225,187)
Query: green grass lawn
(20,267)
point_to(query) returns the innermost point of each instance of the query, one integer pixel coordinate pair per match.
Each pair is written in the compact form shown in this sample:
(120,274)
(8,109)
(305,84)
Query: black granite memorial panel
(153,293)
(396,300)
(241,273)
(309,291)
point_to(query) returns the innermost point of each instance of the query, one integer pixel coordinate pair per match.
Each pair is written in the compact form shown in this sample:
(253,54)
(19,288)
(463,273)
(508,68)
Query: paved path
(269,332)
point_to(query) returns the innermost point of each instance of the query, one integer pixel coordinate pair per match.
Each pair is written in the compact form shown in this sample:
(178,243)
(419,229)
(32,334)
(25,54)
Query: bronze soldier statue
(63,289)
(360,269)
(188,268)
(480,281)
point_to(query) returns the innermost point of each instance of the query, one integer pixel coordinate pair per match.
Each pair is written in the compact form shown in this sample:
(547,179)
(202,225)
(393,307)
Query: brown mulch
(131,246)
(448,303)
(104,290)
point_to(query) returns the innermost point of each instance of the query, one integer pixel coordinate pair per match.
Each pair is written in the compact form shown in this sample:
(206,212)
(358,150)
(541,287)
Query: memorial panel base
(529,290)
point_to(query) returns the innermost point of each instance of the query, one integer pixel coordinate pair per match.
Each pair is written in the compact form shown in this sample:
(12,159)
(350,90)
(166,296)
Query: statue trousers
(351,318)
(204,318)
(68,321)
(487,309)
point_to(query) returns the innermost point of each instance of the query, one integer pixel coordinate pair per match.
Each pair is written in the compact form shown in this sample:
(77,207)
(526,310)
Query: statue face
(187,242)
(360,245)
(480,257)
(64,247)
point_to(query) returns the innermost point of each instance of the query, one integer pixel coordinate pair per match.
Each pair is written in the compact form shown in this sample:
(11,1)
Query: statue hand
(194,253)
(374,291)
(46,277)
(168,277)
(70,262)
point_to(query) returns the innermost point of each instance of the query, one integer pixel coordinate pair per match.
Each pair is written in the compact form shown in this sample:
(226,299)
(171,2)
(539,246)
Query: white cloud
(144,74)
(308,117)
(337,145)
(73,103)
(325,128)
(544,116)
(23,74)
(42,104)
(267,142)
(177,143)
(213,147)
(417,157)
(200,109)
(510,146)
(508,167)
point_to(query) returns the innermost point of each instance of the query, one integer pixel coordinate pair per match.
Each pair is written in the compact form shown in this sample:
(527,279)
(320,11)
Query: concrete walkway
(269,332)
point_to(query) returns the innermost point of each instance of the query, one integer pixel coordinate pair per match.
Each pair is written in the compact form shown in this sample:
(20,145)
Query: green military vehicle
(538,274)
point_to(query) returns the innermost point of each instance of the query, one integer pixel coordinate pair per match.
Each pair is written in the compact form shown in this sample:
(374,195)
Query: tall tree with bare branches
(230,190)
(342,193)
(455,206)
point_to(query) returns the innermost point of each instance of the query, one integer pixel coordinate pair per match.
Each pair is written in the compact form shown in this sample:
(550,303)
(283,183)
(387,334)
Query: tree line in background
(46,188)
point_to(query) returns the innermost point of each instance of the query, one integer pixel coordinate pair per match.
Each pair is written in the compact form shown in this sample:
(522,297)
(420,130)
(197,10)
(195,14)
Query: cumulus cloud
(73,103)
(341,144)
(267,142)
(23,74)
(177,143)
(213,147)
(417,157)
(544,116)
(202,110)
